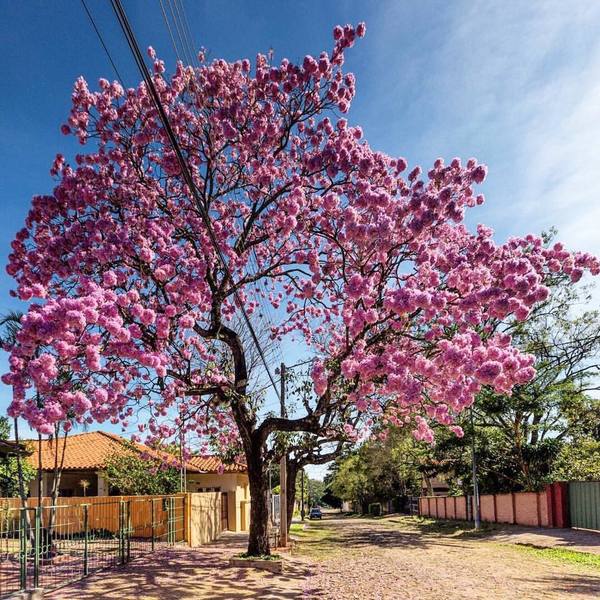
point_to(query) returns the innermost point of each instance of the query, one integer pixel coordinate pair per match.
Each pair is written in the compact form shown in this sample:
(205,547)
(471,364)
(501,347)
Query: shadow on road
(185,573)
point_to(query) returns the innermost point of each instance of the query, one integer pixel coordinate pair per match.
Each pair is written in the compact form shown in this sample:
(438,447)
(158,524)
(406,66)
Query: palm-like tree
(10,325)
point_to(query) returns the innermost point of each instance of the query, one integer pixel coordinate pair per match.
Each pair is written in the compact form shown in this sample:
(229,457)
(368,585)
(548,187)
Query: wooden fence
(105,513)
(49,546)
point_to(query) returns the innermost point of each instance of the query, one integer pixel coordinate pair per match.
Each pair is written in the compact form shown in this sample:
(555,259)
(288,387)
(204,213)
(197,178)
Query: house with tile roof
(84,457)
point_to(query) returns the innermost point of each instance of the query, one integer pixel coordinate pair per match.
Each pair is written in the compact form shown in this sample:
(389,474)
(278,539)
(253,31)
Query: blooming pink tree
(374,269)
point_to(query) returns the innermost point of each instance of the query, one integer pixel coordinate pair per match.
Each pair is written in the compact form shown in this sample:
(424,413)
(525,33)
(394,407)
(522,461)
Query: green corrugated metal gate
(584,504)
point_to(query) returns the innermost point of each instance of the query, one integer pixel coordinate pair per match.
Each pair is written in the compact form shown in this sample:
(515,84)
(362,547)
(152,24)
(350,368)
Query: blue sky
(513,83)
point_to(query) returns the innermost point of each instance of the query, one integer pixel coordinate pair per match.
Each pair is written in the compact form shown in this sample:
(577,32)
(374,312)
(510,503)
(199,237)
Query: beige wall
(522,508)
(204,514)
(238,494)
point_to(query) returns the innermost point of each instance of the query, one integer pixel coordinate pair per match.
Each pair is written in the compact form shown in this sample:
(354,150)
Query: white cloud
(526,77)
(515,84)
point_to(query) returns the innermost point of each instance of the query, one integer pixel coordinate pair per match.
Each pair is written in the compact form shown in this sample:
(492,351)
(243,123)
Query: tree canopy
(147,261)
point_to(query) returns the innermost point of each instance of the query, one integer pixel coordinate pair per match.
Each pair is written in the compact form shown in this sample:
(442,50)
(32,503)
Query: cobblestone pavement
(390,560)
(394,558)
(181,573)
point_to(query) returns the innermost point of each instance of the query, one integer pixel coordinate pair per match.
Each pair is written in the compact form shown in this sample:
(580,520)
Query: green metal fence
(584,504)
(52,546)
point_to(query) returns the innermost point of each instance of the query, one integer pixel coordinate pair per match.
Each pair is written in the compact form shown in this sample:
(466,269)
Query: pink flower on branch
(375,271)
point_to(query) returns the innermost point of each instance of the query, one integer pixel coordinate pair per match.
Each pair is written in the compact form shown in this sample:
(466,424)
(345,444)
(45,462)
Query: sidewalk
(182,573)
(578,540)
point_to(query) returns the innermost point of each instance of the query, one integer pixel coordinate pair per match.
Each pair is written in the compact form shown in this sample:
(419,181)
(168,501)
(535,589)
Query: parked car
(315,513)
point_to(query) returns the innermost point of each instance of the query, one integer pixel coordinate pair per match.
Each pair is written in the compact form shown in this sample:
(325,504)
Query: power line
(189,30)
(183,47)
(89,14)
(184,33)
(189,180)
(162,8)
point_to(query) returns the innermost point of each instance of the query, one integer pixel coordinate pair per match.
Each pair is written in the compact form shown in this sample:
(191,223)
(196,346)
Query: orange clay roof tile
(212,464)
(91,451)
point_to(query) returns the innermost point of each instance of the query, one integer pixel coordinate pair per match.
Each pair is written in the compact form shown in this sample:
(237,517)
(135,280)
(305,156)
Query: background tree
(129,473)
(10,483)
(381,470)
(148,247)
(555,406)
(578,461)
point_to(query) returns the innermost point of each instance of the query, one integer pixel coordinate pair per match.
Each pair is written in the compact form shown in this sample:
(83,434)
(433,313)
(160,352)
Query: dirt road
(396,558)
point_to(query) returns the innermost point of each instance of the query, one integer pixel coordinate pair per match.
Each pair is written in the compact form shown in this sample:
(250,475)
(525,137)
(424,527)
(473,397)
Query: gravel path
(395,558)
(391,559)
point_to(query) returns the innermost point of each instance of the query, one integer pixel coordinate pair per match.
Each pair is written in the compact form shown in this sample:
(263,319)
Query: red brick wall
(439,507)
(486,506)
(522,508)
(461,507)
(531,509)
(504,508)
(451,507)
(557,504)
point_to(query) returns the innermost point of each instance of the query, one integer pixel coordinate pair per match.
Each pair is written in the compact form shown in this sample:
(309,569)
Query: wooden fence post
(85,540)
(187,511)
(152,519)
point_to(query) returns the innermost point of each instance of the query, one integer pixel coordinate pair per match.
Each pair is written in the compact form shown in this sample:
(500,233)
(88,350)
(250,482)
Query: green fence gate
(584,504)
(52,546)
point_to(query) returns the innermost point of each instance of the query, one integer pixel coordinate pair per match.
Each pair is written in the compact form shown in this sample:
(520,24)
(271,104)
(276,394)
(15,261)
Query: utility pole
(476,517)
(302,511)
(271,515)
(283,472)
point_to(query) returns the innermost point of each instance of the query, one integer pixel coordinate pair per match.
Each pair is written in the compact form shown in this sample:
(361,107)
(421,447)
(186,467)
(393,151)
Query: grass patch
(571,557)
(427,525)
(323,539)
(246,556)
(315,539)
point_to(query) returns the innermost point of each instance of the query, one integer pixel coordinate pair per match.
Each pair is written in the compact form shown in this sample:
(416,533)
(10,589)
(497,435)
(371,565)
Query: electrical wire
(180,37)
(162,8)
(187,176)
(189,30)
(184,33)
(112,62)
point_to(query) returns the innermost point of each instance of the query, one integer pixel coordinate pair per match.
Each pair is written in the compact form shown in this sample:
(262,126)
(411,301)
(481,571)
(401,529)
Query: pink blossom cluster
(370,262)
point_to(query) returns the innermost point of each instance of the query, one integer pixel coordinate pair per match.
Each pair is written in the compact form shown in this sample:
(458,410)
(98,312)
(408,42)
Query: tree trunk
(39,472)
(292,475)
(258,537)
(427,481)
(22,493)
(58,469)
